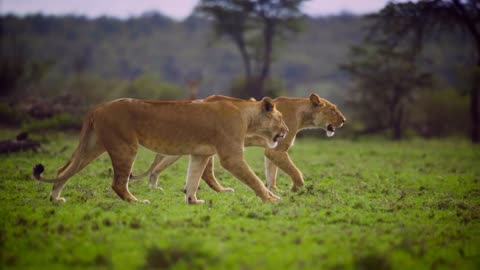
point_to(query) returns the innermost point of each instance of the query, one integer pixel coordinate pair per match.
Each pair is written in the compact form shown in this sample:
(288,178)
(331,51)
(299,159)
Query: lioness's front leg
(239,168)
(283,161)
(195,169)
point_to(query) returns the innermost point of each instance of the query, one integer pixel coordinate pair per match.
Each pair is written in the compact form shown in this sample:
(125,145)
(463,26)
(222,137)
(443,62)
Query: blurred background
(395,68)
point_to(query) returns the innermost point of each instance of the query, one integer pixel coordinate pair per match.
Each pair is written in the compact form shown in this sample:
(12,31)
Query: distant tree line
(382,86)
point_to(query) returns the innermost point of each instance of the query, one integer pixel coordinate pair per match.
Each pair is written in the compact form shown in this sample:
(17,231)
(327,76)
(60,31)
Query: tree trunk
(246,60)
(239,41)
(268,33)
(397,124)
(471,25)
(474,99)
(396,113)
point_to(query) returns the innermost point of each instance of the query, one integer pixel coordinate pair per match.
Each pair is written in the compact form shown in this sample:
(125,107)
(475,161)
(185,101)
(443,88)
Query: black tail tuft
(38,170)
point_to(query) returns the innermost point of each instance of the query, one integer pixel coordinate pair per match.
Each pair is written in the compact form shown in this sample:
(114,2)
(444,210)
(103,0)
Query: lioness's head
(326,115)
(269,123)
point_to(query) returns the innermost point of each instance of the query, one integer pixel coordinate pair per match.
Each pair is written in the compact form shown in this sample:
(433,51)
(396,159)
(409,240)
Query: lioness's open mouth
(278,136)
(330,130)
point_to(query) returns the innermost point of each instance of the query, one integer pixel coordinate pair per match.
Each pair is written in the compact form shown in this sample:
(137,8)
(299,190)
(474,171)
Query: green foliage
(273,87)
(62,121)
(366,204)
(148,86)
(11,117)
(93,89)
(125,49)
(440,113)
(151,50)
(17,71)
(385,82)
(409,23)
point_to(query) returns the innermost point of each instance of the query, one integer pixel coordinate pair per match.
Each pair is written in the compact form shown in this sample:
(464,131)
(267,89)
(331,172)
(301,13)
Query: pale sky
(177,9)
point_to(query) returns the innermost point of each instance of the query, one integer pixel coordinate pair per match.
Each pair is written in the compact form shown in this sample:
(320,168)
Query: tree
(232,21)
(410,23)
(17,71)
(263,21)
(385,81)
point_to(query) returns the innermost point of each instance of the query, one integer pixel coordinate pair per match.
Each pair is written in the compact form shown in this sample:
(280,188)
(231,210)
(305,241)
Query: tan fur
(298,114)
(199,129)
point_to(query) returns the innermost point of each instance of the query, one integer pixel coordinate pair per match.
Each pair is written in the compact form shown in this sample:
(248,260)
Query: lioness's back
(169,126)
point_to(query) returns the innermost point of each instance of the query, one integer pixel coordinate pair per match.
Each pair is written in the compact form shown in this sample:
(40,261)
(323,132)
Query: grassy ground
(366,204)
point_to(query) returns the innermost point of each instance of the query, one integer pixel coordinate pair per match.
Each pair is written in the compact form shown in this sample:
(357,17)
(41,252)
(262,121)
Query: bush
(273,87)
(60,121)
(10,117)
(148,86)
(441,113)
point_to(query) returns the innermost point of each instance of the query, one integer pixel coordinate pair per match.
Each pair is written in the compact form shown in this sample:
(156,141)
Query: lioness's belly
(171,147)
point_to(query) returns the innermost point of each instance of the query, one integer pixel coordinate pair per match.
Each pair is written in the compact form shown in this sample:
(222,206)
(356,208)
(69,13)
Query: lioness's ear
(267,104)
(252,99)
(315,100)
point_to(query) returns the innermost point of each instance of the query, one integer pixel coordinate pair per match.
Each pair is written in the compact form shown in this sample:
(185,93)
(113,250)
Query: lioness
(298,114)
(198,129)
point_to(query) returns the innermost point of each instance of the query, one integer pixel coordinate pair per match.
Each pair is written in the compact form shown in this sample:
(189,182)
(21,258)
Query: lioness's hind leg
(195,168)
(239,168)
(91,153)
(162,164)
(283,161)
(122,161)
(209,177)
(271,171)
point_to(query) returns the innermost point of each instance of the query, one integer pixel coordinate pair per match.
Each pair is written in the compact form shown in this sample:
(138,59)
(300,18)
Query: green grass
(366,204)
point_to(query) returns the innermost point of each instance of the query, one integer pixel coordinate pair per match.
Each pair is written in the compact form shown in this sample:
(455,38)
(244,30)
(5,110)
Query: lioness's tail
(74,164)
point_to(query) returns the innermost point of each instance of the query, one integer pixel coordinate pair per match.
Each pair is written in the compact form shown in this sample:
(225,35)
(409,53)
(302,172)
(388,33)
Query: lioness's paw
(296,188)
(154,186)
(196,202)
(272,188)
(59,200)
(227,190)
(144,201)
(270,197)
(192,199)
(273,195)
